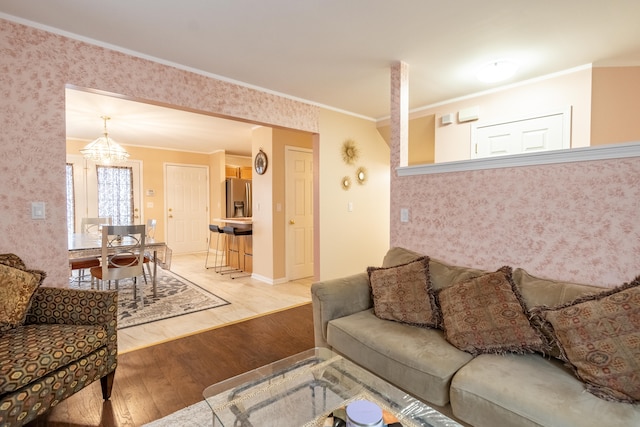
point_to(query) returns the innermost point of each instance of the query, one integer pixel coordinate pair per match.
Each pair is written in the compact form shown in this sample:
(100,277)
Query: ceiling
(336,53)
(146,125)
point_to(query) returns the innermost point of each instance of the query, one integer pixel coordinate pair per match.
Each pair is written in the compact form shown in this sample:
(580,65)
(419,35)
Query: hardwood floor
(158,380)
(248,298)
(164,366)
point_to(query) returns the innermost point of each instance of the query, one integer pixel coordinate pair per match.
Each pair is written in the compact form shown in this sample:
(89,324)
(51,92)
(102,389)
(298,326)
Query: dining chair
(122,255)
(93,225)
(88,226)
(151,232)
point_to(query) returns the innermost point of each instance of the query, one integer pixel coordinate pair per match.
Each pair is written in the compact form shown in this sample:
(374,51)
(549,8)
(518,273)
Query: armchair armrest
(78,307)
(336,298)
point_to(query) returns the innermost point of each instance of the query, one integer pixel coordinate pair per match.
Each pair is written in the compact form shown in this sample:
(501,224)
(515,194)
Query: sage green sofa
(485,391)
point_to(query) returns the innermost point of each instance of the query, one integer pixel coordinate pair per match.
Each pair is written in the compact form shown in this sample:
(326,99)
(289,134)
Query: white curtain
(71,201)
(115,193)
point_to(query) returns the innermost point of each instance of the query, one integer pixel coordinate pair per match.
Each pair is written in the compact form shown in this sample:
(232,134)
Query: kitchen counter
(241,220)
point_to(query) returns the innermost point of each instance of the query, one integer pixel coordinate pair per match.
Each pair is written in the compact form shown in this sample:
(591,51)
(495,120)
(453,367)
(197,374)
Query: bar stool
(234,233)
(220,232)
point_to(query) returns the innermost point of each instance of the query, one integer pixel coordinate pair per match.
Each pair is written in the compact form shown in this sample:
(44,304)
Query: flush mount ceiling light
(105,149)
(497,71)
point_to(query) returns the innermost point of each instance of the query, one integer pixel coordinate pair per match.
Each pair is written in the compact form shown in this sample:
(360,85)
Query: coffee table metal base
(302,390)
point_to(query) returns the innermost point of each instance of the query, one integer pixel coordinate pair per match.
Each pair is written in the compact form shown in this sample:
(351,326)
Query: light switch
(350,206)
(404,215)
(38,210)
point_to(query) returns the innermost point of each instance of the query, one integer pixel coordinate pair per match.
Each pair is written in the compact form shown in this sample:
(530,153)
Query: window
(117,183)
(71,200)
(115,193)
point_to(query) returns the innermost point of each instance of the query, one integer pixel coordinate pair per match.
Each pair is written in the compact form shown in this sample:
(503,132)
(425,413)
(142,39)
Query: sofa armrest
(78,307)
(338,298)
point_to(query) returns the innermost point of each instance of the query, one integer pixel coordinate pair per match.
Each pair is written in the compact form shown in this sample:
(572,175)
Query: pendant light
(105,149)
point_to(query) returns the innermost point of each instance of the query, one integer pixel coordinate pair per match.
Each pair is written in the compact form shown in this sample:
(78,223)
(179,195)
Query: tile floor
(248,297)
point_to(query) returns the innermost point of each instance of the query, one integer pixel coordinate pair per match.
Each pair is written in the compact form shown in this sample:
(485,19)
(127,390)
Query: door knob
(291,222)
(170,216)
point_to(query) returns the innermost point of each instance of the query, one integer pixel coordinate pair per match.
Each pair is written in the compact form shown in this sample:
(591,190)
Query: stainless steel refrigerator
(238,197)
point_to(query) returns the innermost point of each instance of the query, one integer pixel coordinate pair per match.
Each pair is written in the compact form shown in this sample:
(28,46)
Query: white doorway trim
(200,216)
(299,216)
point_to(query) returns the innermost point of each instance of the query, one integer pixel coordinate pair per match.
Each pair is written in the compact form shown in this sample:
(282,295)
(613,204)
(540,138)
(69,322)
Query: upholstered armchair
(66,340)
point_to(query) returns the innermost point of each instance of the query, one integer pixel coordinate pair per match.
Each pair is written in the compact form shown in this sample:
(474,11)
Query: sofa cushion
(403,293)
(599,335)
(485,315)
(419,360)
(398,256)
(537,291)
(441,274)
(444,275)
(30,352)
(517,390)
(16,289)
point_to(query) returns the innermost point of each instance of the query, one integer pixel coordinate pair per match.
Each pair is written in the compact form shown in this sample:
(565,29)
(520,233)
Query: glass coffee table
(303,390)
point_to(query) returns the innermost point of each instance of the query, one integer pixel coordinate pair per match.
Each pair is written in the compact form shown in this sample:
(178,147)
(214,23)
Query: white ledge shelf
(582,154)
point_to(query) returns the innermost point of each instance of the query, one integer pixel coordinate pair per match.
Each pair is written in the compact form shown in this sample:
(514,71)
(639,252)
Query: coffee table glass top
(302,390)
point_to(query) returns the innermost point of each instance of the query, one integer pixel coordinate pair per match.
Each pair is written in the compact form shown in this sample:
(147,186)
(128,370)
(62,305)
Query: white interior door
(299,212)
(527,135)
(187,201)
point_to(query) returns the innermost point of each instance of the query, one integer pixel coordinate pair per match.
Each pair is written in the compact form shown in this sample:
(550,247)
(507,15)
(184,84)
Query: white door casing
(85,184)
(299,212)
(543,132)
(187,201)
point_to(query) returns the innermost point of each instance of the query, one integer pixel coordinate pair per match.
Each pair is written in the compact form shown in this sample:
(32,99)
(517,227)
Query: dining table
(88,245)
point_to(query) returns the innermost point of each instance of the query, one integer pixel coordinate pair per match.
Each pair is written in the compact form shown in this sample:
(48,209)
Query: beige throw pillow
(16,289)
(403,293)
(599,336)
(485,314)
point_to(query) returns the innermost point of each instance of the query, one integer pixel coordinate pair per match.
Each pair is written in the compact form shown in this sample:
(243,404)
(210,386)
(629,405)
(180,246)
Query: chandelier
(105,149)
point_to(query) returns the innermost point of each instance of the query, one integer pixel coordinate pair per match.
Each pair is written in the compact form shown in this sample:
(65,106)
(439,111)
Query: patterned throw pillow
(403,293)
(599,336)
(13,260)
(16,288)
(485,314)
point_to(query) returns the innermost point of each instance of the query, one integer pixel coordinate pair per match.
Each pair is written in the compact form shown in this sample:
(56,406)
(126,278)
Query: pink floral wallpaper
(578,222)
(35,66)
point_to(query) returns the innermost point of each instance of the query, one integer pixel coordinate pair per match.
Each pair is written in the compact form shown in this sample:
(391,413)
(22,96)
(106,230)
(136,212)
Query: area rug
(175,296)
(196,415)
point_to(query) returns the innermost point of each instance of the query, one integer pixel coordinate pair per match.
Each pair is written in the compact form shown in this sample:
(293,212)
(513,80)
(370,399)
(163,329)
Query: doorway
(187,206)
(299,212)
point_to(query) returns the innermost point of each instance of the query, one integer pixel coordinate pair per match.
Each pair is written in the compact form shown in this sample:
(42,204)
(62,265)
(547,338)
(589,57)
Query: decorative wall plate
(350,152)
(260,163)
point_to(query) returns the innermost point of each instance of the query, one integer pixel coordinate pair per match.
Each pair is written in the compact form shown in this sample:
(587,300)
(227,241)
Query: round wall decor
(260,163)
(350,151)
